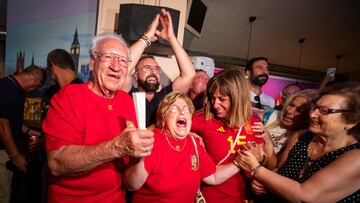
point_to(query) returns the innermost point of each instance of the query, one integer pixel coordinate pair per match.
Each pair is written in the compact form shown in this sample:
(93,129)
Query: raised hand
(152,28)
(167,31)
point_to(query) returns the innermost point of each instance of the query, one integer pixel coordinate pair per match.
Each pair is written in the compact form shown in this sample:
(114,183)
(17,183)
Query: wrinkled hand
(257,187)
(256,150)
(246,160)
(167,31)
(20,162)
(134,143)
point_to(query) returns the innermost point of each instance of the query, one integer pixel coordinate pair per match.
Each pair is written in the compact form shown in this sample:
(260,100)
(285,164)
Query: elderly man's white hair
(107,35)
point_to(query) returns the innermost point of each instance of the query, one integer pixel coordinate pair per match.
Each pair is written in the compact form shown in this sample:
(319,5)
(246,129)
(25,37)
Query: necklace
(307,164)
(177,147)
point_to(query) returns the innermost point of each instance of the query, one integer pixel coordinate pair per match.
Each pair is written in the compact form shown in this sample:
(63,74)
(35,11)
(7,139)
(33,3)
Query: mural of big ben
(75,50)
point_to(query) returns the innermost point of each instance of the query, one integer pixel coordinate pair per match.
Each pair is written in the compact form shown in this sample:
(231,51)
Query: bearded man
(258,74)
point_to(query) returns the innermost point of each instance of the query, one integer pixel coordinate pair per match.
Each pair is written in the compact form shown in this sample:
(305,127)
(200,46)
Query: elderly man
(89,129)
(13,143)
(258,73)
(147,70)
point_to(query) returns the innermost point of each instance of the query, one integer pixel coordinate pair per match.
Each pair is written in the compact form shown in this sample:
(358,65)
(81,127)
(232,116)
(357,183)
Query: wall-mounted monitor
(196,13)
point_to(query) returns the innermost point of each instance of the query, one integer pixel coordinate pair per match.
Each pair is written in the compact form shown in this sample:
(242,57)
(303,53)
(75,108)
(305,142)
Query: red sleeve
(152,160)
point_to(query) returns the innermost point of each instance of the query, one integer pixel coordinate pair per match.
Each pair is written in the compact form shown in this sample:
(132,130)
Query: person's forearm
(223,172)
(186,68)
(73,159)
(135,175)
(280,185)
(136,50)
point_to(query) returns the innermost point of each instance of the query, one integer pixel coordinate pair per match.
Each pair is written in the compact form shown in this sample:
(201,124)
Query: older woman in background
(323,165)
(172,172)
(225,126)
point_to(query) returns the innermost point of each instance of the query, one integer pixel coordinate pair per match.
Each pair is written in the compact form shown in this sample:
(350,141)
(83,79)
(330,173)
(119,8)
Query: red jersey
(173,177)
(79,117)
(219,140)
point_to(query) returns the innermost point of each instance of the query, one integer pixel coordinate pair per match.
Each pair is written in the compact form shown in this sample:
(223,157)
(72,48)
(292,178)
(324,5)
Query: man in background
(61,68)
(197,92)
(14,136)
(287,91)
(258,74)
(147,70)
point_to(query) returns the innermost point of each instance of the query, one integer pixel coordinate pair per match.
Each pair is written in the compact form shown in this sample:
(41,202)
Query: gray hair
(107,35)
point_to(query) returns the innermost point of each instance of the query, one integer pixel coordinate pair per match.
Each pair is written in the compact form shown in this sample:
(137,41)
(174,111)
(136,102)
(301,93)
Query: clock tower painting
(75,51)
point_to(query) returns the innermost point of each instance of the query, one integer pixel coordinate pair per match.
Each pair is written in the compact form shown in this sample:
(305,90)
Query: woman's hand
(246,160)
(256,150)
(257,187)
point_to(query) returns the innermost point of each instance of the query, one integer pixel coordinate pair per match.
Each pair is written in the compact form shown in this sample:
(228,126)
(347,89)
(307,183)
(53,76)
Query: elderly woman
(172,173)
(225,125)
(323,165)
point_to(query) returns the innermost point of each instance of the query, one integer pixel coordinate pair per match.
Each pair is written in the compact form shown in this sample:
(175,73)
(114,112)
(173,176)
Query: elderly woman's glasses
(325,111)
(150,68)
(178,109)
(111,57)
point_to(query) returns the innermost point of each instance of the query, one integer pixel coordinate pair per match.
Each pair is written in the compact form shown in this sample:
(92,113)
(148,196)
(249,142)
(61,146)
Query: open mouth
(152,80)
(181,123)
(114,76)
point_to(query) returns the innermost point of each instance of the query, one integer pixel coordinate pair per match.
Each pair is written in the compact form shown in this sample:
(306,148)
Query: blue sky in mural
(41,37)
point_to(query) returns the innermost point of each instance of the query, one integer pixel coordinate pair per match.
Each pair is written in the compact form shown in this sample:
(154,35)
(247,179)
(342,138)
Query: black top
(300,167)
(12,108)
(151,107)
(53,89)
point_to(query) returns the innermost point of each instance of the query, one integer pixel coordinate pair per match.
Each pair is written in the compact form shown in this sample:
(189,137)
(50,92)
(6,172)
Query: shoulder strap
(196,150)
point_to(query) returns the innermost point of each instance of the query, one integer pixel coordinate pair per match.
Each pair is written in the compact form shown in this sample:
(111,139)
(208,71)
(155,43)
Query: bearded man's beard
(259,82)
(149,87)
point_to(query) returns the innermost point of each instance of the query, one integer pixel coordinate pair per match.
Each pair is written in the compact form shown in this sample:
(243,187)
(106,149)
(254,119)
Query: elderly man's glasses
(325,111)
(111,57)
(150,68)
(178,109)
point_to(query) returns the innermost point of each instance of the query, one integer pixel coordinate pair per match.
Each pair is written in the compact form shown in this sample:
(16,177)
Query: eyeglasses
(111,57)
(326,111)
(150,68)
(178,109)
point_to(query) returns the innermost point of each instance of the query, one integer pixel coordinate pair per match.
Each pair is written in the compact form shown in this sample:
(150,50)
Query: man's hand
(134,143)
(20,162)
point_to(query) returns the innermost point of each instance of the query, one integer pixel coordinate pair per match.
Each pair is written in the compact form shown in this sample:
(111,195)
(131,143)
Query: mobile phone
(331,71)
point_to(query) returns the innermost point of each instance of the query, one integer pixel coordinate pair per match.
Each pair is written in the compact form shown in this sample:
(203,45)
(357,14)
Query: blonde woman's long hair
(230,83)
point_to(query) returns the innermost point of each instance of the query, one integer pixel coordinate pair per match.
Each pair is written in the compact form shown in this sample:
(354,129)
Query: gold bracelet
(254,171)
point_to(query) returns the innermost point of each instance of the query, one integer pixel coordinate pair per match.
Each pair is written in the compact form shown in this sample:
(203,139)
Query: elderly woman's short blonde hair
(169,100)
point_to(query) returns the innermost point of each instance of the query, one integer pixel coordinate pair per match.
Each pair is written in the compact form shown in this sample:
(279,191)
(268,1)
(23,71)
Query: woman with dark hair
(226,125)
(323,165)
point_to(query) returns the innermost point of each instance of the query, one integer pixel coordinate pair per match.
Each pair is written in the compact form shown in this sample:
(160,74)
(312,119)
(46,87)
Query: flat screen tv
(196,13)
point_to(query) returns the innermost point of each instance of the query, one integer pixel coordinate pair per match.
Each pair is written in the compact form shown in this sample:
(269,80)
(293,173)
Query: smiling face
(332,124)
(177,119)
(221,104)
(109,74)
(295,114)
(259,73)
(148,74)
